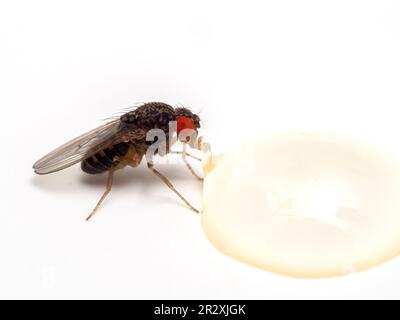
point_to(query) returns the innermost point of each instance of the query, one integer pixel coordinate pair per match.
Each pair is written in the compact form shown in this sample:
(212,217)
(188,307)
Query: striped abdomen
(106,159)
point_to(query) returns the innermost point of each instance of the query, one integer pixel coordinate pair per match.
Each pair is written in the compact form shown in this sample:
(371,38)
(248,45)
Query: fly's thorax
(152,115)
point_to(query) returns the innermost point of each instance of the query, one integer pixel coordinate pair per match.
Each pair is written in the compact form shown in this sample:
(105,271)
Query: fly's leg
(169,184)
(187,154)
(184,155)
(108,189)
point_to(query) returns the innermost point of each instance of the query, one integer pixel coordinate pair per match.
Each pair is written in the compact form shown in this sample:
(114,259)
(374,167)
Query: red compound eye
(184,123)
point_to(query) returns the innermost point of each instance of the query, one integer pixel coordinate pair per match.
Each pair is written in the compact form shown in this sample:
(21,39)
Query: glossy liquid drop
(304,205)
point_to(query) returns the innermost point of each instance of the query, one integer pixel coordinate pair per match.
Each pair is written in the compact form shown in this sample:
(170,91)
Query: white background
(247,66)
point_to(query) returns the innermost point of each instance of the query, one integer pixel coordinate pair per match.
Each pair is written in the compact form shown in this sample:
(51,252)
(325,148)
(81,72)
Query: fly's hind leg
(169,184)
(108,189)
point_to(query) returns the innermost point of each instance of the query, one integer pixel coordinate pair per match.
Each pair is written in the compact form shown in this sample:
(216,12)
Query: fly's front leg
(169,184)
(184,155)
(188,164)
(187,154)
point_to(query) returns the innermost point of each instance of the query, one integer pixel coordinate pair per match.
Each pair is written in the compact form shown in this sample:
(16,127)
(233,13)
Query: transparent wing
(79,148)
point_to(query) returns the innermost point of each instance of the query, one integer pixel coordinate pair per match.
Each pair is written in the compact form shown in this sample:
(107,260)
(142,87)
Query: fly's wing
(79,148)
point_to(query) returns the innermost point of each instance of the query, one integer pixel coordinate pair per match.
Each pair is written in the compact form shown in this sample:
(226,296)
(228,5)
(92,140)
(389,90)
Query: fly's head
(186,120)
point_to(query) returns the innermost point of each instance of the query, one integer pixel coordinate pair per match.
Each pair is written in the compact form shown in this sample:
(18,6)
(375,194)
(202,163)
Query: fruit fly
(122,142)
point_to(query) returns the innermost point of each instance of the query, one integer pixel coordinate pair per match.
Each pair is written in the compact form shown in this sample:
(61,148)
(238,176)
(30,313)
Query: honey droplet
(304,205)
